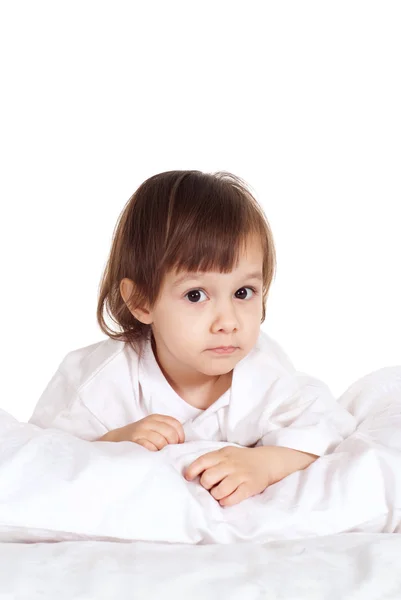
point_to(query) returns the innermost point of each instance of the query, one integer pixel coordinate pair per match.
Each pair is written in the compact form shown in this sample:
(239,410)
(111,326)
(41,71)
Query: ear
(126,288)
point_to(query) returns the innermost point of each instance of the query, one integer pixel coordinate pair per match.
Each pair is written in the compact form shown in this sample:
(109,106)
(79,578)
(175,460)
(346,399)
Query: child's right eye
(192,294)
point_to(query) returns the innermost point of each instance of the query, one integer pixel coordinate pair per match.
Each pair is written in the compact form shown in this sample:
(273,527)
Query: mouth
(224,349)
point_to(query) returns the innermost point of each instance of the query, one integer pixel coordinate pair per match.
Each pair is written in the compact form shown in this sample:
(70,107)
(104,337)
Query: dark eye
(193,295)
(245,288)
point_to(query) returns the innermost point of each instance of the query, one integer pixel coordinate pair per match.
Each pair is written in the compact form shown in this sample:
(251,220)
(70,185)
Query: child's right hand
(153,432)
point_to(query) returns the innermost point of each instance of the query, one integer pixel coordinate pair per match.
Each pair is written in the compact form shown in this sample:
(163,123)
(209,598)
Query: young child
(190,268)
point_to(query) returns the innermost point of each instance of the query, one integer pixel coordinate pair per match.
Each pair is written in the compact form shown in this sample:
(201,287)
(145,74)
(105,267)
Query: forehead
(183,278)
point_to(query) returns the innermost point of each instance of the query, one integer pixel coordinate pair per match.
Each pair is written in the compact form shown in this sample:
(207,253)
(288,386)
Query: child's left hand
(239,472)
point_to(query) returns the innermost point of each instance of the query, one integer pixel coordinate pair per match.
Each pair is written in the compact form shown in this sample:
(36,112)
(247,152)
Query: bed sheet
(356,566)
(55,487)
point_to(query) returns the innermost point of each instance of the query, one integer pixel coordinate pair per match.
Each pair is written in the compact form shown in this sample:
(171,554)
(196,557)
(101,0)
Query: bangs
(209,224)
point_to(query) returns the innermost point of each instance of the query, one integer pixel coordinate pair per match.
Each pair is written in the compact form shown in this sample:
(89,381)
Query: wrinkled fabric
(105,386)
(355,566)
(54,486)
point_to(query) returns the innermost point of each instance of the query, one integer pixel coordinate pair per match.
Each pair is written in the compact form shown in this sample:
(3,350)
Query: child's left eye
(196,291)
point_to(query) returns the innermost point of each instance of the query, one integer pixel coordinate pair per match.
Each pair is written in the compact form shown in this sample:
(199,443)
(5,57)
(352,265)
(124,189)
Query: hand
(153,432)
(232,474)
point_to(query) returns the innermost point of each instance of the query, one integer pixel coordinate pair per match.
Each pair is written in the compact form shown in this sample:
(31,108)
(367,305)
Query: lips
(223,348)
(223,351)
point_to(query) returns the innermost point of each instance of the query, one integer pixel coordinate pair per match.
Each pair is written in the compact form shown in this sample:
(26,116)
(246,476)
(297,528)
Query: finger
(156,438)
(173,423)
(226,487)
(240,494)
(214,475)
(146,444)
(169,432)
(206,461)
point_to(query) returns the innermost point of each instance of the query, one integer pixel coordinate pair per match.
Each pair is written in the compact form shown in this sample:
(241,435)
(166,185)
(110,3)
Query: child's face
(215,309)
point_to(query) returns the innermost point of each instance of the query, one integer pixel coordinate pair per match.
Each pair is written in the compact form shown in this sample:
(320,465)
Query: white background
(301,99)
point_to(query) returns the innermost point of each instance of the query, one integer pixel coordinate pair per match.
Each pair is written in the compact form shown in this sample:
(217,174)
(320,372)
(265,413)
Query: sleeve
(309,419)
(60,407)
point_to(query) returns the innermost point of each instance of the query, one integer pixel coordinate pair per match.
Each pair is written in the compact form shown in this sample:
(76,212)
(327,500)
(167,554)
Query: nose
(225,316)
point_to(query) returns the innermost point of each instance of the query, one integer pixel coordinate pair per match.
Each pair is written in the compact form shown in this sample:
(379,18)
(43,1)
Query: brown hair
(182,221)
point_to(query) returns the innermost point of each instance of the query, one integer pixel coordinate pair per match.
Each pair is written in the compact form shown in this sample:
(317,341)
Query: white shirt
(105,386)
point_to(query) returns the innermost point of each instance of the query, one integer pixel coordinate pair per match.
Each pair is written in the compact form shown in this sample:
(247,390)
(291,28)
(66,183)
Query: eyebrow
(193,276)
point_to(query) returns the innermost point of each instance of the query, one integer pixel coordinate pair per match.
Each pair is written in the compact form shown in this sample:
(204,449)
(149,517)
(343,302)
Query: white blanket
(56,487)
(355,566)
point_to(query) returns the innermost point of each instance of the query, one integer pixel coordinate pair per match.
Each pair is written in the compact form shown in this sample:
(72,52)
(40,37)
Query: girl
(191,264)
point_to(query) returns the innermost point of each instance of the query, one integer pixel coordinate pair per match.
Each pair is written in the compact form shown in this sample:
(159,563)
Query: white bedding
(345,566)
(55,487)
